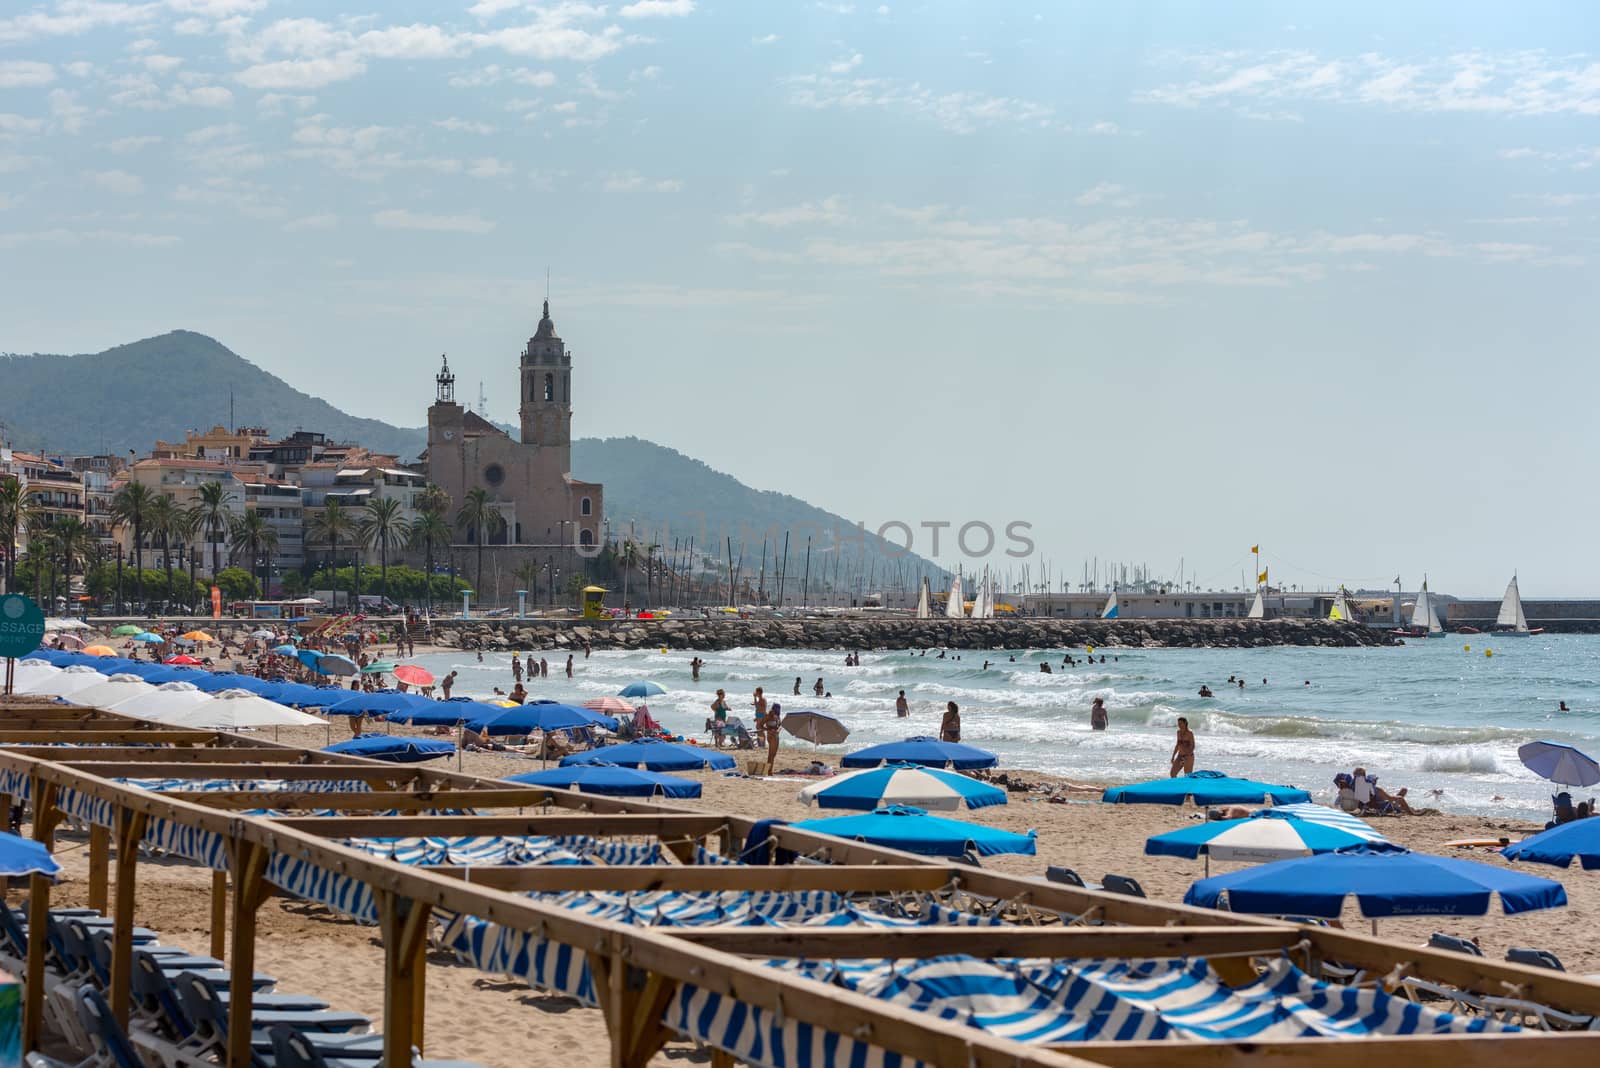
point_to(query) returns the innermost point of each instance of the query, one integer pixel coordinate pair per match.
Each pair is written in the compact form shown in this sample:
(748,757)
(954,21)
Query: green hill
(127,397)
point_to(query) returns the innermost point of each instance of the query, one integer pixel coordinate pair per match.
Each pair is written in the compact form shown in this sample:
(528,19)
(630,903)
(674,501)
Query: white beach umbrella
(168,699)
(232,709)
(66,681)
(109,691)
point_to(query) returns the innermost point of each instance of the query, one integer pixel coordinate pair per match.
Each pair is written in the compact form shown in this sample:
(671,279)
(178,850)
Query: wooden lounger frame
(637,970)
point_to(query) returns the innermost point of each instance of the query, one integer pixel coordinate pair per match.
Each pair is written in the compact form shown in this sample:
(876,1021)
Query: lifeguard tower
(594,602)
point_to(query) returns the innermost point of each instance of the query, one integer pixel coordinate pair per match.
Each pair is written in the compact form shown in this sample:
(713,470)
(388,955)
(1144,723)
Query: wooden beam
(162,754)
(1155,943)
(559,878)
(404,924)
(99,867)
(1413,1051)
(684,826)
(130,831)
(219,914)
(295,772)
(248,862)
(112,736)
(367,801)
(44,799)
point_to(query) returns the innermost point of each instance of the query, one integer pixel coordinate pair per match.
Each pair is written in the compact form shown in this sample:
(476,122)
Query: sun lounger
(1122,884)
(291,1049)
(1440,940)
(1538,958)
(334,1033)
(1068,877)
(111,1048)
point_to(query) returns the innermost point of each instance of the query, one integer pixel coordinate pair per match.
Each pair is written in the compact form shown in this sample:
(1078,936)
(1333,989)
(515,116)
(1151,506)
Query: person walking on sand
(772,721)
(950,725)
(1099,718)
(1183,750)
(902,707)
(719,716)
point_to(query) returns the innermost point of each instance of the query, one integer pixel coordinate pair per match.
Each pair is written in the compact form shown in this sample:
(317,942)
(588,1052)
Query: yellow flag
(1255,548)
(1261,577)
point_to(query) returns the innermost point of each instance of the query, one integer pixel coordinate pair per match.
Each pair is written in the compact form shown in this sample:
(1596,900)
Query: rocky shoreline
(901,633)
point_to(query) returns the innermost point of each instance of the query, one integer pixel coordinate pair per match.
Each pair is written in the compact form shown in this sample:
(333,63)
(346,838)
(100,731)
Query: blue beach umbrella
(451,713)
(216,682)
(1268,835)
(542,716)
(1560,845)
(912,829)
(1560,763)
(902,784)
(334,664)
(640,689)
(610,780)
(393,748)
(308,657)
(1207,788)
(24,856)
(653,756)
(300,695)
(148,638)
(357,703)
(1387,880)
(285,650)
(925,750)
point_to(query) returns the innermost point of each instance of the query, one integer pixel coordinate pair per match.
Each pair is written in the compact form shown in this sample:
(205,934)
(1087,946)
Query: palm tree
(212,508)
(527,575)
(332,526)
(190,525)
(251,535)
(161,517)
(73,543)
(383,527)
(429,530)
(128,508)
(479,515)
(13,505)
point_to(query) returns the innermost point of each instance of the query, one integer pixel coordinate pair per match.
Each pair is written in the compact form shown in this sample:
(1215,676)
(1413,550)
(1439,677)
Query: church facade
(529,480)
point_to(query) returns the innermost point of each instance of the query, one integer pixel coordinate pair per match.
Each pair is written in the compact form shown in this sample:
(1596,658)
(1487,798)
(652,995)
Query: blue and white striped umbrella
(902,784)
(1266,836)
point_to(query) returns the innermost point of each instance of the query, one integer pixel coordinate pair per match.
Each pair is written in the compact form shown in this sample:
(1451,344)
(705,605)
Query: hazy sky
(1163,280)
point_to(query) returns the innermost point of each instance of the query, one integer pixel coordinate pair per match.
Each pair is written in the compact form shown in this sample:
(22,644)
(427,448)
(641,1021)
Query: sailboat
(1110,610)
(1258,607)
(1511,621)
(955,607)
(1341,609)
(983,607)
(1424,617)
(924,609)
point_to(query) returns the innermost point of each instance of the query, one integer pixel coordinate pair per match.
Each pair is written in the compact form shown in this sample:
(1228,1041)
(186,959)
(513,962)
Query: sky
(1162,281)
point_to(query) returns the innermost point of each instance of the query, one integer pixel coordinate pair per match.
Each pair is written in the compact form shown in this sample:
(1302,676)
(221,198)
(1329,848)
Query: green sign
(21,625)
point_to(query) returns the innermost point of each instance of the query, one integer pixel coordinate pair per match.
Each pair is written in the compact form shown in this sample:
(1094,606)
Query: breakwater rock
(867,632)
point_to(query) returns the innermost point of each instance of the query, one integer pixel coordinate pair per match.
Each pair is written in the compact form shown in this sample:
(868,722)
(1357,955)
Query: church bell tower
(546,411)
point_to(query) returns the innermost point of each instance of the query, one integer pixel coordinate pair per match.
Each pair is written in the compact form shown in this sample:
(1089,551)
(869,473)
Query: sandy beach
(501,1023)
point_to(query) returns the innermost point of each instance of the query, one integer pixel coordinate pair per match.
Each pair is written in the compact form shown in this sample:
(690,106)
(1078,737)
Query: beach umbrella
(1206,788)
(1560,763)
(99,650)
(198,636)
(653,755)
(68,680)
(922,749)
(148,638)
(451,713)
(818,728)
(357,703)
(23,856)
(127,630)
(1267,835)
(182,660)
(394,748)
(541,716)
(611,705)
(1560,845)
(640,689)
(262,635)
(902,784)
(285,650)
(1386,880)
(116,665)
(109,691)
(232,709)
(156,674)
(412,675)
(46,655)
(610,780)
(377,667)
(913,830)
(299,695)
(216,682)
(72,638)
(169,698)
(308,657)
(1332,817)
(334,664)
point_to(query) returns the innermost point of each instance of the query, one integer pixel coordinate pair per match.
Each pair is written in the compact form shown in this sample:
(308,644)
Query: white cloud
(321,221)
(489,167)
(79,69)
(1104,194)
(829,212)
(207,134)
(119,182)
(161,64)
(845,66)
(1581,158)
(633,182)
(959,112)
(1559,200)
(770,38)
(73,17)
(11,125)
(25,74)
(201,96)
(645,9)
(547,41)
(63,236)
(412,42)
(456,125)
(303,73)
(272,105)
(65,109)
(539,79)
(123,145)
(645,74)
(402,219)
(1103,128)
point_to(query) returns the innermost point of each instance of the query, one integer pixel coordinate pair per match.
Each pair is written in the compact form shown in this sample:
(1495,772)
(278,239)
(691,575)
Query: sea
(1442,717)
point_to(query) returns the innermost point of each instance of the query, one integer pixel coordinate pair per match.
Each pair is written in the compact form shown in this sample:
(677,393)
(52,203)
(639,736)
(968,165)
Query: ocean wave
(1478,761)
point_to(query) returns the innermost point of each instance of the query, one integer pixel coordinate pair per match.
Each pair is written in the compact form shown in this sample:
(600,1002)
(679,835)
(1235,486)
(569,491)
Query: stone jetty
(888,632)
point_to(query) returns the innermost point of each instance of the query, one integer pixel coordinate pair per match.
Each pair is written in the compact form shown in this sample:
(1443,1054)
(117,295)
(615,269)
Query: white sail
(924,610)
(1511,609)
(1341,608)
(983,606)
(955,608)
(1110,610)
(1423,615)
(1258,608)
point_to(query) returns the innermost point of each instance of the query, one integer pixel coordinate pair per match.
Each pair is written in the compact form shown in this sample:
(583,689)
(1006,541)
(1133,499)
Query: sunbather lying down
(1361,793)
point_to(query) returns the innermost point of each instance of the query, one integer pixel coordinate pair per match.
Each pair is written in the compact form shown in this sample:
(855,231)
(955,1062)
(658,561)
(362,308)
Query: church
(530,480)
